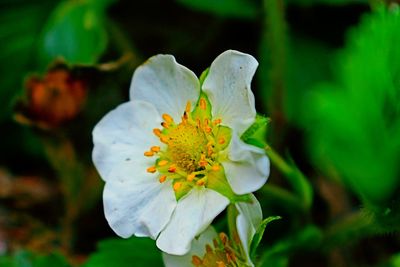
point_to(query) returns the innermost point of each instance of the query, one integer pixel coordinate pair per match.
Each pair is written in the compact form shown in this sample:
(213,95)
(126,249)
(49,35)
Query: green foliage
(327,2)
(21,22)
(138,252)
(29,259)
(308,238)
(76,32)
(354,123)
(245,9)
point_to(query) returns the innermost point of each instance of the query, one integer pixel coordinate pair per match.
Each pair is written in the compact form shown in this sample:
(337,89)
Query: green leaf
(259,234)
(25,258)
(327,2)
(21,22)
(354,122)
(138,252)
(245,9)
(75,32)
(256,133)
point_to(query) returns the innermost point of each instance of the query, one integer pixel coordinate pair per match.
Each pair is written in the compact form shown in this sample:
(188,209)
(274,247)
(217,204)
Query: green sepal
(259,234)
(203,76)
(182,191)
(199,113)
(255,134)
(225,133)
(217,181)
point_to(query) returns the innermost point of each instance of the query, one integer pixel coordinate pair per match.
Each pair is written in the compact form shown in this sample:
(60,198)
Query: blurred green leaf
(308,238)
(245,9)
(354,123)
(327,2)
(138,252)
(21,22)
(29,259)
(76,32)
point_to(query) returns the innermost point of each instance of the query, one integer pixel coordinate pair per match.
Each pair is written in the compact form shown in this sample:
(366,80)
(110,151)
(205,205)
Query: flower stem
(294,176)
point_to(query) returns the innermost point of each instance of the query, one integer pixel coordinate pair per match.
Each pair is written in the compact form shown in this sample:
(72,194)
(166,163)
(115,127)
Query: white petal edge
(124,134)
(246,168)
(247,222)
(136,203)
(227,86)
(192,215)
(166,84)
(198,248)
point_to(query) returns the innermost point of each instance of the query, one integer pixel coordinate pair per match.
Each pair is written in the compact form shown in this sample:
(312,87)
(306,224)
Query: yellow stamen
(206,121)
(167,118)
(162,162)
(188,107)
(208,248)
(157,132)
(155,149)
(162,178)
(203,104)
(217,121)
(201,182)
(164,139)
(149,153)
(208,129)
(216,168)
(177,186)
(220,264)
(196,261)
(172,168)
(190,177)
(151,169)
(221,141)
(165,125)
(224,238)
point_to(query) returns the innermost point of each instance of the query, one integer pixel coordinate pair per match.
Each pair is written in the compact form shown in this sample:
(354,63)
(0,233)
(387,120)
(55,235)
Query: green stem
(294,176)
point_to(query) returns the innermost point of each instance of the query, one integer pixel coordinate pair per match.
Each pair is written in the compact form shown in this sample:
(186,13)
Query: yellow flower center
(192,148)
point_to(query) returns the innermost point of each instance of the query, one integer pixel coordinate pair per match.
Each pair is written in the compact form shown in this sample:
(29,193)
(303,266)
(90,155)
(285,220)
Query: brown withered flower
(53,99)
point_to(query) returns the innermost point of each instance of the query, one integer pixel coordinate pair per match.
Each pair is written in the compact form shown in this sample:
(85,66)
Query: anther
(224,238)
(216,168)
(155,149)
(206,121)
(172,168)
(221,141)
(162,162)
(221,264)
(151,169)
(162,178)
(201,182)
(208,129)
(157,132)
(208,248)
(165,125)
(177,186)
(196,261)
(149,153)
(190,177)
(164,139)
(217,121)
(203,104)
(167,118)
(188,107)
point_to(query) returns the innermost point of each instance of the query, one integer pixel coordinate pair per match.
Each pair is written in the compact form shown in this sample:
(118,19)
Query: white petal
(228,88)
(193,214)
(247,222)
(247,167)
(136,203)
(198,248)
(125,133)
(166,84)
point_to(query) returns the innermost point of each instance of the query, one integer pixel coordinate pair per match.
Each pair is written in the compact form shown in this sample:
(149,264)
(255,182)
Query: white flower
(211,249)
(169,183)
